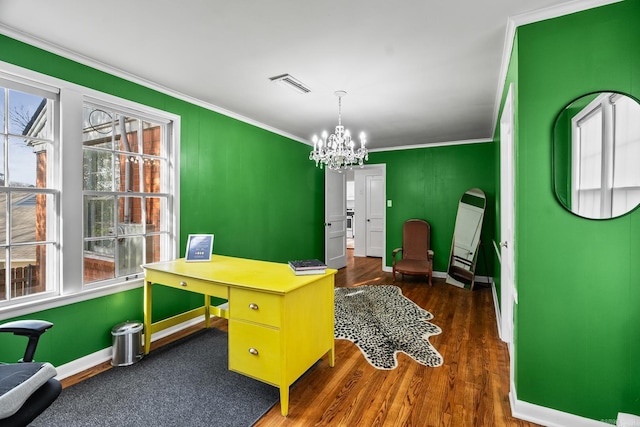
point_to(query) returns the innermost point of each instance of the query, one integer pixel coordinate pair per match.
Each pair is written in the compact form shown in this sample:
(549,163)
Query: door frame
(360,205)
(508,293)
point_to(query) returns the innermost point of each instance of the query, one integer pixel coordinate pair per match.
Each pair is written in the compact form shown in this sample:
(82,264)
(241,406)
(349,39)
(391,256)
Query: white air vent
(290,81)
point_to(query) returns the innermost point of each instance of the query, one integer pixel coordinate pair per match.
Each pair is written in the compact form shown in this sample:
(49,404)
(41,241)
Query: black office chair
(27,388)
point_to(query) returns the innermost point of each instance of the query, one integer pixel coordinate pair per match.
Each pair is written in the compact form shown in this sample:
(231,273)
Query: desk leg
(147,317)
(207,310)
(284,400)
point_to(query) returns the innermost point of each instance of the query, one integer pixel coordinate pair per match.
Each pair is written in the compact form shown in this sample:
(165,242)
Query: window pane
(99,260)
(2,115)
(28,115)
(98,170)
(23,266)
(4,291)
(3,222)
(99,216)
(130,255)
(627,143)
(29,216)
(98,128)
(3,143)
(156,214)
(152,138)
(153,248)
(27,162)
(28,269)
(130,215)
(127,134)
(152,174)
(128,178)
(591,152)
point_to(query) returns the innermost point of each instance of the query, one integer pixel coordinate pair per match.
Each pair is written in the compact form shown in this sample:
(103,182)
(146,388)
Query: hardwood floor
(470,389)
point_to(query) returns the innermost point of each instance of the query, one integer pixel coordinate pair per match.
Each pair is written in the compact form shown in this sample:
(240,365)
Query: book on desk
(307,266)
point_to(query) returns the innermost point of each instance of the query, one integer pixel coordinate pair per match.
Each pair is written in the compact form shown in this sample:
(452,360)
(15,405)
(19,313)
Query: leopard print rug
(382,322)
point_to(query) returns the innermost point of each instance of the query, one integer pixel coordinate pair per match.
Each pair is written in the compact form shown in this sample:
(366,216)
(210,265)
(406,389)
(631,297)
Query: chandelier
(337,151)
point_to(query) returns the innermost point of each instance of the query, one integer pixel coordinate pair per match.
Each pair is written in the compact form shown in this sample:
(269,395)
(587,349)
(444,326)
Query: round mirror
(596,148)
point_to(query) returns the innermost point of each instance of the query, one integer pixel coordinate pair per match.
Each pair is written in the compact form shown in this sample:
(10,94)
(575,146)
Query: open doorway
(365,211)
(351,205)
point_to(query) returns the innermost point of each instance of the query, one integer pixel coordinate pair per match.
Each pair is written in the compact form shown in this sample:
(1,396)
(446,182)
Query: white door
(335,219)
(508,294)
(374,225)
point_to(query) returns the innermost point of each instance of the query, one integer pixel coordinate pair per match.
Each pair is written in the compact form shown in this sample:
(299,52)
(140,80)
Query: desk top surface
(240,272)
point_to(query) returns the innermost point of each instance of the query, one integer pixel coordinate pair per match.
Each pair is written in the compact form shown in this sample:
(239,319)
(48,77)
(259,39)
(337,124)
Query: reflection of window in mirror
(605,142)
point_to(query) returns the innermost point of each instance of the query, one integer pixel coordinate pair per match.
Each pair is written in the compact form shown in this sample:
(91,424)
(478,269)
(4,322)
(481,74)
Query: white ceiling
(416,71)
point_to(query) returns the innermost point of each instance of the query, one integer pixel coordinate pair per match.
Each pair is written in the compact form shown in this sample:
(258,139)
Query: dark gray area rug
(382,322)
(186,383)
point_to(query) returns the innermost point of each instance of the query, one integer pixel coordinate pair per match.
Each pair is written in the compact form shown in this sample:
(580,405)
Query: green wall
(427,183)
(577,323)
(257,191)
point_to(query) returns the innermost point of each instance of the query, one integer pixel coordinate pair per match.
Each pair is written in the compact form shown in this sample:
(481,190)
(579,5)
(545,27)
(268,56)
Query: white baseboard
(546,416)
(89,361)
(534,413)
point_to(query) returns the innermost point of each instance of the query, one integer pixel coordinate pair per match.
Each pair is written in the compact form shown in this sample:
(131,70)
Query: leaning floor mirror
(466,239)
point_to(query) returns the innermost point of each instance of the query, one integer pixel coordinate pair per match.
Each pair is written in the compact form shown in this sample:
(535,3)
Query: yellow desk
(280,324)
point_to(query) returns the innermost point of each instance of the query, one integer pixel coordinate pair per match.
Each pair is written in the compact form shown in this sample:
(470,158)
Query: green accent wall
(577,323)
(428,183)
(255,190)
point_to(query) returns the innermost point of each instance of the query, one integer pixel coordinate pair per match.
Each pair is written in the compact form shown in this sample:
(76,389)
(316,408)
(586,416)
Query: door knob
(504,244)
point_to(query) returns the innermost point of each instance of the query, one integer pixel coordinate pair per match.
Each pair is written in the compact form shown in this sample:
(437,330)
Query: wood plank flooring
(470,389)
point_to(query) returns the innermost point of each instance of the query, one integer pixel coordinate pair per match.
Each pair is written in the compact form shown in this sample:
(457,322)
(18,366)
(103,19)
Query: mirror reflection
(466,239)
(596,149)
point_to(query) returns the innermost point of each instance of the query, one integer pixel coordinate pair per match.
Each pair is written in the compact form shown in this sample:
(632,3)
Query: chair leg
(393,275)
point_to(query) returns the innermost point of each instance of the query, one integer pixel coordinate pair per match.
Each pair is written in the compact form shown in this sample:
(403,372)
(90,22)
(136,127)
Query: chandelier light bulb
(337,151)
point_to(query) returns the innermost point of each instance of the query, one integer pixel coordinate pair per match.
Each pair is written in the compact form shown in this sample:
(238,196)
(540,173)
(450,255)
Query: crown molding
(513,22)
(432,145)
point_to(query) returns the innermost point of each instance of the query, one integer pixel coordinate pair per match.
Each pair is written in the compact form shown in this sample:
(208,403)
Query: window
(85,175)
(606,145)
(125,191)
(28,191)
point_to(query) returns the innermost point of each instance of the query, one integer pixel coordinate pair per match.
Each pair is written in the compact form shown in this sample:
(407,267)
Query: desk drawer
(254,351)
(187,283)
(253,306)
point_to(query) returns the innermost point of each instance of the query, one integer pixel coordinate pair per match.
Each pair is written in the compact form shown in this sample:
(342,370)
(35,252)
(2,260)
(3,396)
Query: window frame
(605,108)
(68,270)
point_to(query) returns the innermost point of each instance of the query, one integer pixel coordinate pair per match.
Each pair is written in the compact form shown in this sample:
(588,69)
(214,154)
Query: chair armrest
(395,252)
(430,254)
(28,328)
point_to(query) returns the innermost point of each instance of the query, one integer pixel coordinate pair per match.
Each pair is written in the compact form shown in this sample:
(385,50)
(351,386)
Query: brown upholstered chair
(417,256)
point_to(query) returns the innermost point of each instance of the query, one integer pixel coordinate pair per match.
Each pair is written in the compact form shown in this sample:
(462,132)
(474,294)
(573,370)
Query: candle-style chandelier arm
(337,151)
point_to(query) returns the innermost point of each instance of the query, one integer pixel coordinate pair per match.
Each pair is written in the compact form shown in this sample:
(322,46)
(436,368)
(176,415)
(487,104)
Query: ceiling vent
(290,81)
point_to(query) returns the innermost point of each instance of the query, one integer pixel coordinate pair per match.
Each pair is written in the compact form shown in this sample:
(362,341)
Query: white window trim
(70,273)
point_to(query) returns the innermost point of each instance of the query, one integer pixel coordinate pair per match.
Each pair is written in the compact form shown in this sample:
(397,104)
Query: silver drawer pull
(253,351)
(253,306)
(183,283)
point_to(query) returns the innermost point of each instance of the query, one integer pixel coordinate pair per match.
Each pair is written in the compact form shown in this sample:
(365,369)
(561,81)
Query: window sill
(34,306)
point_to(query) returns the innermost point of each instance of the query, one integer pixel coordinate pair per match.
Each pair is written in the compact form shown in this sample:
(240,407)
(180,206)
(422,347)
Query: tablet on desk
(199,247)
